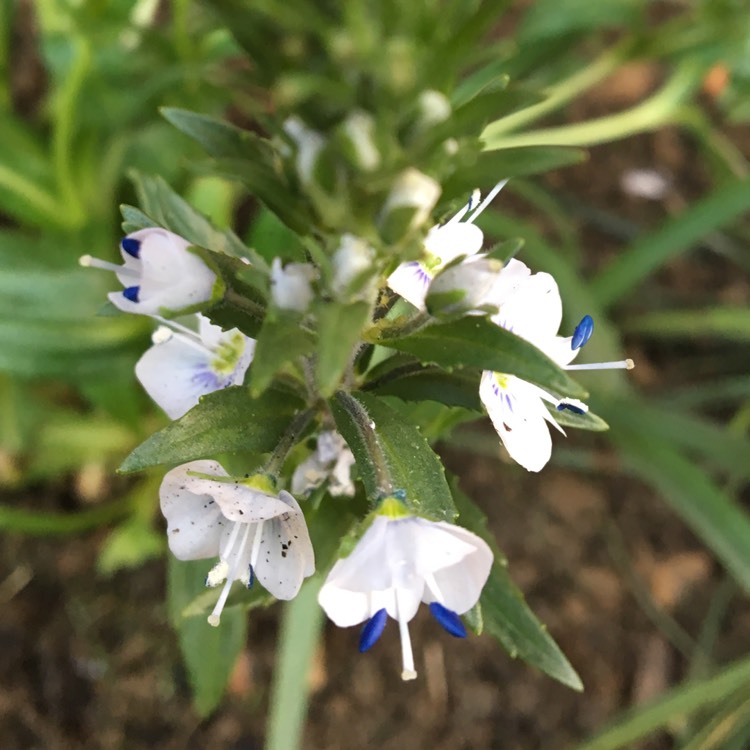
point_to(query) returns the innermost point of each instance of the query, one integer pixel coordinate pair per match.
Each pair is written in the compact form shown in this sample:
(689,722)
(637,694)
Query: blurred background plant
(660,261)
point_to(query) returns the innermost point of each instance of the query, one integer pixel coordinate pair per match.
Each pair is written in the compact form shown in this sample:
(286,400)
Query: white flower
(413,190)
(442,245)
(291,285)
(255,533)
(332,460)
(466,287)
(530,306)
(159,273)
(400,561)
(309,145)
(183,366)
(359,129)
(352,269)
(434,108)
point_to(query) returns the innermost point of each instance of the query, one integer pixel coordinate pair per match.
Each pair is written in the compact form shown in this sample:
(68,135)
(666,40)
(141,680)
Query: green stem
(559,95)
(46,524)
(301,628)
(43,203)
(288,440)
(663,108)
(396,330)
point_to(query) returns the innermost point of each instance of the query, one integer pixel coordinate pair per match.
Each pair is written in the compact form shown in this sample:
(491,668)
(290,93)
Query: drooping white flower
(331,460)
(184,365)
(530,306)
(160,275)
(291,285)
(400,561)
(256,533)
(443,244)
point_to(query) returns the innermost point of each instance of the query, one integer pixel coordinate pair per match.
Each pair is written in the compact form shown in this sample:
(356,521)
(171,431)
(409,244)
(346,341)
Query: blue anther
(131,246)
(372,630)
(448,619)
(131,293)
(251,578)
(582,332)
(570,407)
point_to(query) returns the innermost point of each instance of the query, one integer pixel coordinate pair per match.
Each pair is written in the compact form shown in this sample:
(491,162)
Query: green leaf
(339,329)
(410,380)
(489,76)
(712,515)
(281,340)
(129,546)
(587,421)
(509,162)
(725,323)
(209,653)
(167,209)
(672,707)
(225,421)
(477,342)
(675,236)
(505,614)
(411,464)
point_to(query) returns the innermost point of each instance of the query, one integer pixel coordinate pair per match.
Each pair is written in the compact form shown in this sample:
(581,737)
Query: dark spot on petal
(510,429)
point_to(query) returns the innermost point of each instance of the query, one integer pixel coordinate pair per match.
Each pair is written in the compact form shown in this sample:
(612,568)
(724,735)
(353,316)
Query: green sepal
(505,614)
(587,421)
(229,420)
(477,342)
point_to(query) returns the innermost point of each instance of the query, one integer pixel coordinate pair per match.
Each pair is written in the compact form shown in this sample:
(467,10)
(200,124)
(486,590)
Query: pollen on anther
(131,246)
(131,293)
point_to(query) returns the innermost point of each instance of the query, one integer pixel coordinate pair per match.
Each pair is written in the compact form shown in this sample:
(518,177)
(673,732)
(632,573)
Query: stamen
(450,621)
(87,261)
(624,364)
(217,574)
(131,246)
(431,584)
(131,293)
(486,202)
(407,656)
(175,326)
(571,407)
(215,617)
(582,332)
(250,576)
(372,630)
(473,200)
(256,543)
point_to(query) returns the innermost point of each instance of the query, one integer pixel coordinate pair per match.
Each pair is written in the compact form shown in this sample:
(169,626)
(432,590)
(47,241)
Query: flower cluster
(257,530)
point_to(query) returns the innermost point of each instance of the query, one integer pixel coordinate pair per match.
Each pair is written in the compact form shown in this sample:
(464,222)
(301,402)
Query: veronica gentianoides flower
(159,274)
(183,364)
(530,306)
(331,461)
(400,561)
(256,533)
(442,245)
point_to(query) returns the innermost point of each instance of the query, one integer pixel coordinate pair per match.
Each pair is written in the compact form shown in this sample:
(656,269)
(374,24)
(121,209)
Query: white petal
(558,349)
(534,311)
(522,424)
(175,374)
(461,583)
(291,287)
(237,501)
(195,522)
(451,240)
(411,281)
(286,553)
(344,607)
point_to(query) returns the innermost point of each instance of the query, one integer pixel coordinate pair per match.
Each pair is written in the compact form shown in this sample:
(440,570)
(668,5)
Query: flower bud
(291,287)
(409,204)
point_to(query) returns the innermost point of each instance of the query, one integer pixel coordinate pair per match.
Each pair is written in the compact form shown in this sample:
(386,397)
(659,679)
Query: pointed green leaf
(411,463)
(281,340)
(505,614)
(209,653)
(225,421)
(477,342)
